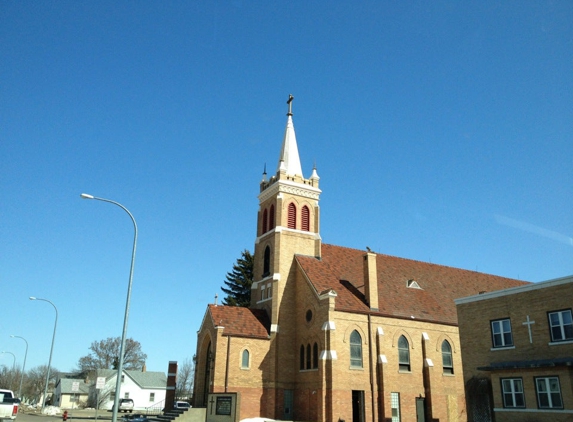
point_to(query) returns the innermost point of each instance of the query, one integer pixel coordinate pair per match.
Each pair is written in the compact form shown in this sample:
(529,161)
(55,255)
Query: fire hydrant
(65,415)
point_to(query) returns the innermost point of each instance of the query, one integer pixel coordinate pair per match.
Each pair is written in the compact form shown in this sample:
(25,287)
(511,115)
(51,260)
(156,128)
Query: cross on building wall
(529,323)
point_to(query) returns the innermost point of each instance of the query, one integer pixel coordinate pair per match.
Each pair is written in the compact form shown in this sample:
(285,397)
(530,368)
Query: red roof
(241,322)
(341,269)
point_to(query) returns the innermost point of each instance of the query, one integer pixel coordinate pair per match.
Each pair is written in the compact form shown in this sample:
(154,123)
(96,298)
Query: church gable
(341,269)
(240,322)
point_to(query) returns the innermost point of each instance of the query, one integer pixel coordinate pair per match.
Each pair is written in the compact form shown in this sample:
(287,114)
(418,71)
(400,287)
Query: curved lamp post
(23,365)
(13,355)
(126,317)
(51,350)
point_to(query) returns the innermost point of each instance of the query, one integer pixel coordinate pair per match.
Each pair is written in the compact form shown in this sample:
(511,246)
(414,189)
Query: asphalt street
(73,415)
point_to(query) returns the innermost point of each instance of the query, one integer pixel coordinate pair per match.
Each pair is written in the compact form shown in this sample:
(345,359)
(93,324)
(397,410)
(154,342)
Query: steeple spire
(289,160)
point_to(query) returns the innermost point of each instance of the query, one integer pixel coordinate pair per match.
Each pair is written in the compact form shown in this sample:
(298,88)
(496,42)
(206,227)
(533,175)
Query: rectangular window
(395,404)
(548,393)
(126,396)
(501,333)
(269,291)
(512,391)
(561,325)
(151,397)
(263,292)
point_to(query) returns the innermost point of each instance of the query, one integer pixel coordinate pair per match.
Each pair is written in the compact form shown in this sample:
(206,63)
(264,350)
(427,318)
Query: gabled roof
(67,384)
(341,269)
(240,322)
(148,379)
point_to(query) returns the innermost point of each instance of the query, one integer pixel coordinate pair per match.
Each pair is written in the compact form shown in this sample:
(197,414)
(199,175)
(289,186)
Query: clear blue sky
(442,131)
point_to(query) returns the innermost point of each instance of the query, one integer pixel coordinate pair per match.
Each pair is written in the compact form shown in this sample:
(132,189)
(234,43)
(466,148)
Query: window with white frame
(152,397)
(355,350)
(548,393)
(245,359)
(512,391)
(501,333)
(403,354)
(447,360)
(561,325)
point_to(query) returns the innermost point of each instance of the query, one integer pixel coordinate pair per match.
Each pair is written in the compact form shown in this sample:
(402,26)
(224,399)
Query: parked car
(125,405)
(182,405)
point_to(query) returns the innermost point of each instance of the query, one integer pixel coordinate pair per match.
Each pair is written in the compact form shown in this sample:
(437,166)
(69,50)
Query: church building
(333,333)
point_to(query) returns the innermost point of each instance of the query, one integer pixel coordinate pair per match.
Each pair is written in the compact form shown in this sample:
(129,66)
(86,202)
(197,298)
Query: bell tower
(288,223)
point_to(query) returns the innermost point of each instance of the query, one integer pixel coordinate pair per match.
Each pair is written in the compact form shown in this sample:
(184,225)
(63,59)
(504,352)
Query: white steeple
(289,160)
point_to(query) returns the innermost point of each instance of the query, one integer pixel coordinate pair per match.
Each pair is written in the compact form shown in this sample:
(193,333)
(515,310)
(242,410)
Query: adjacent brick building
(517,350)
(332,333)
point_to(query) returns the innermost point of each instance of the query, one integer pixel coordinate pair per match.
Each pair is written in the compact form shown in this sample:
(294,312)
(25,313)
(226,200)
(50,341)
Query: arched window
(447,361)
(315,356)
(301,357)
(305,219)
(355,350)
(403,354)
(265,221)
(291,216)
(308,362)
(272,218)
(245,364)
(267,262)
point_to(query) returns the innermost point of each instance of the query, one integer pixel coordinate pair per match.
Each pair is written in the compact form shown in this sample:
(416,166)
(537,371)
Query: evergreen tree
(239,282)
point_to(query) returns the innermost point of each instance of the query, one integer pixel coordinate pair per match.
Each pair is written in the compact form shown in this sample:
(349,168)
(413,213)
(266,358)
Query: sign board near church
(223,407)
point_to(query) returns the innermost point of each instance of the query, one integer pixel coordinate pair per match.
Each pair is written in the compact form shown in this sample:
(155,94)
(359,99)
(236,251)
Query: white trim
(287,186)
(274,328)
(380,331)
(328,355)
(559,343)
(501,409)
(495,349)
(429,362)
(382,359)
(516,290)
(329,326)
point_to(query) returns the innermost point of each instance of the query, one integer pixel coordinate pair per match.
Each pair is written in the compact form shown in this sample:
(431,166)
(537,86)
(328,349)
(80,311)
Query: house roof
(240,322)
(148,379)
(67,384)
(341,269)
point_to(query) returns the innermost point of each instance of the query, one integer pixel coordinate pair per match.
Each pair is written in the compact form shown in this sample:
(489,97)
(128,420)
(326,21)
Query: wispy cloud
(540,231)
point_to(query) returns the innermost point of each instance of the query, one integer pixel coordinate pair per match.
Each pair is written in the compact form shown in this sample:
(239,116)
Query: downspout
(370,367)
(227,364)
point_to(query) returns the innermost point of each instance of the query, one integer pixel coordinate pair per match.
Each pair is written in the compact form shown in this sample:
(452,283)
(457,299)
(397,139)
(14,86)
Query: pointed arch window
(245,359)
(265,221)
(305,218)
(267,262)
(272,218)
(355,350)
(315,356)
(291,224)
(301,367)
(447,361)
(308,357)
(403,354)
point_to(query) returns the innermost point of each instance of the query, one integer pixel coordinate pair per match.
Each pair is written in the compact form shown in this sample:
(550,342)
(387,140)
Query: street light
(51,350)
(126,317)
(23,365)
(13,355)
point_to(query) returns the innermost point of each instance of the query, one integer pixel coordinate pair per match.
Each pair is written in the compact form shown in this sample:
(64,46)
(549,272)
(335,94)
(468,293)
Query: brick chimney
(171,384)
(371,280)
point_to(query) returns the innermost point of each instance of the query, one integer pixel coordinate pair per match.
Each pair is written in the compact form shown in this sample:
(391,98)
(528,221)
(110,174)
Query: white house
(146,389)
(70,393)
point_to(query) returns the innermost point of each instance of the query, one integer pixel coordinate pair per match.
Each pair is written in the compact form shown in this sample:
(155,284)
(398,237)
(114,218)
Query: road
(73,415)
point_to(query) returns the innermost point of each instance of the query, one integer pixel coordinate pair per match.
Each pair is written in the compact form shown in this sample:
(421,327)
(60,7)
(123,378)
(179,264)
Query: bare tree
(184,385)
(105,355)
(33,388)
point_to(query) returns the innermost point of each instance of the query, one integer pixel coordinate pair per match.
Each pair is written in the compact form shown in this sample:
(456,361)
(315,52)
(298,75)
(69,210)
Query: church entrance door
(357,406)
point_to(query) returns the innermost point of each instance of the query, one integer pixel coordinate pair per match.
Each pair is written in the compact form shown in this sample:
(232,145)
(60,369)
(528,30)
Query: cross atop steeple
(289,102)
